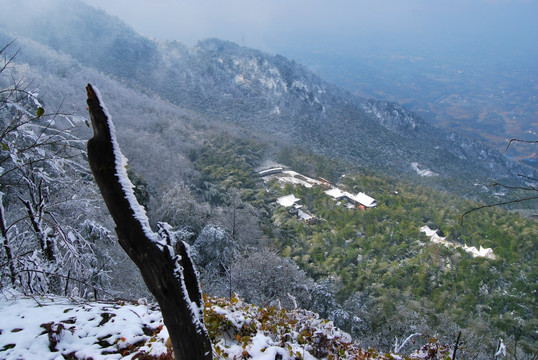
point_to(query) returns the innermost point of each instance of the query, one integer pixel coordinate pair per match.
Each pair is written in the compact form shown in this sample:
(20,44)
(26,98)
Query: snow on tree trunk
(5,241)
(167,270)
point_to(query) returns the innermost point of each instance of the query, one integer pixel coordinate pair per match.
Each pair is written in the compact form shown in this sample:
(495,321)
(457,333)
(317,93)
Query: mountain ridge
(389,270)
(272,94)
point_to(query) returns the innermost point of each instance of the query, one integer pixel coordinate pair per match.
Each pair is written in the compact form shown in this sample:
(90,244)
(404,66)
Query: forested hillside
(380,276)
(373,272)
(271,94)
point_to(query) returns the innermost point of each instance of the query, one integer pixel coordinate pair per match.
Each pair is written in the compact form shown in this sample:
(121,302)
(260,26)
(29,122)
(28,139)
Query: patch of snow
(486,253)
(434,237)
(299,85)
(239,79)
(423,172)
(501,350)
(267,345)
(335,193)
(292,177)
(269,83)
(304,215)
(360,198)
(276,110)
(365,200)
(32,325)
(197,313)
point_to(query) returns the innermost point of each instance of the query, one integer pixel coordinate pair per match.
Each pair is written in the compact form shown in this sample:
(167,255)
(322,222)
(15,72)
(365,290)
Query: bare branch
(456,346)
(8,61)
(530,188)
(522,141)
(496,204)
(66,277)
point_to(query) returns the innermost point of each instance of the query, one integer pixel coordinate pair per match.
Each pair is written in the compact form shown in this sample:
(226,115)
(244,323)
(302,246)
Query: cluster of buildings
(434,237)
(353,201)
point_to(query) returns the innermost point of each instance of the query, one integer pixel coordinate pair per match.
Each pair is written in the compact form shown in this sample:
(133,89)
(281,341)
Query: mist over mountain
(266,93)
(197,123)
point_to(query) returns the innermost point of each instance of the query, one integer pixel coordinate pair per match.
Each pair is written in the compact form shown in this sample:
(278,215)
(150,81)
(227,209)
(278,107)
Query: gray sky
(321,25)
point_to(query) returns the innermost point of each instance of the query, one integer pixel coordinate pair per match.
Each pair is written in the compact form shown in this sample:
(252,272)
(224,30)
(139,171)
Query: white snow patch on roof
(287,200)
(365,200)
(434,237)
(482,252)
(335,193)
(292,177)
(304,215)
(360,198)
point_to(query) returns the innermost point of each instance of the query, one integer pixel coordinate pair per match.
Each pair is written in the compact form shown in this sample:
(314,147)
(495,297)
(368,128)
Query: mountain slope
(273,94)
(277,95)
(270,94)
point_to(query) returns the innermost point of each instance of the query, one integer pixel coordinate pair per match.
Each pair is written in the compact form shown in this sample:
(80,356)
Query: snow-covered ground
(423,172)
(59,328)
(51,327)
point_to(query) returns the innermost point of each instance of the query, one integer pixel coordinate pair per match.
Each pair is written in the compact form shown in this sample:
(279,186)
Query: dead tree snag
(166,268)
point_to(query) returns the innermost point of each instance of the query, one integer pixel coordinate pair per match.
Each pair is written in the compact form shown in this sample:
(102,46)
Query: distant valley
(493,101)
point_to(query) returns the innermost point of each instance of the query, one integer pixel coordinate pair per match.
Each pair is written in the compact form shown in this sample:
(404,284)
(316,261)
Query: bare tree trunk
(5,241)
(168,274)
(456,346)
(35,210)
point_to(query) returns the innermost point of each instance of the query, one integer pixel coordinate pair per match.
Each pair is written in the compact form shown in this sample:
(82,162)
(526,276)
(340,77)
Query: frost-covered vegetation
(52,327)
(372,273)
(49,245)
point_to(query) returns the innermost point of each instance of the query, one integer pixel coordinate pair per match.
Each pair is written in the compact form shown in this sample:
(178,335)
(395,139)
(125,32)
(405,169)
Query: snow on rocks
(242,330)
(423,172)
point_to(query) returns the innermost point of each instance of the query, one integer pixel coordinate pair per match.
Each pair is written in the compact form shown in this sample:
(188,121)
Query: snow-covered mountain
(269,94)
(168,100)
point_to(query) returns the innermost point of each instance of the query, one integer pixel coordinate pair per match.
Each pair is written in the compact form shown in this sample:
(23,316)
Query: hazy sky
(276,25)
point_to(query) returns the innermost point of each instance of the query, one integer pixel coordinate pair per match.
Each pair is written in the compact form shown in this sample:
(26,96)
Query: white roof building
(271,171)
(304,215)
(335,193)
(288,200)
(434,237)
(365,200)
(360,198)
(487,253)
